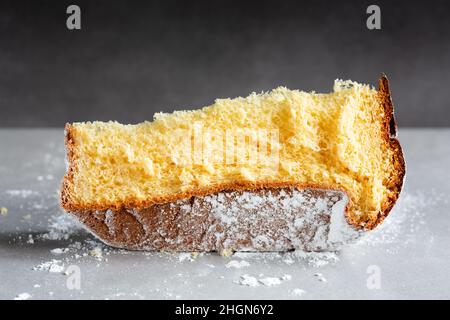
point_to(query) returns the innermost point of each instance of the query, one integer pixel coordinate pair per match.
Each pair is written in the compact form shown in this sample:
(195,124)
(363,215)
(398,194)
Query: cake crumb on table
(3,211)
(96,253)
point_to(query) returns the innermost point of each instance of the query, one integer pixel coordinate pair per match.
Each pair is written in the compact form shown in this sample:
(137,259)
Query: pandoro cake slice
(275,171)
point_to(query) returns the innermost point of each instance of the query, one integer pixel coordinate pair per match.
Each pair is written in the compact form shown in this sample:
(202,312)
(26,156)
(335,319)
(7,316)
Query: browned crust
(261,221)
(395,181)
(398,162)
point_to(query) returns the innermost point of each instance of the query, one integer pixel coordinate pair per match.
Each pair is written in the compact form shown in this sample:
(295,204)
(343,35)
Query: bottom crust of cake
(280,219)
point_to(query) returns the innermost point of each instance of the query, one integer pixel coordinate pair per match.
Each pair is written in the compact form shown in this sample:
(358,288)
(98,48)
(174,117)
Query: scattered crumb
(226,252)
(37,286)
(237,264)
(3,211)
(27,217)
(195,255)
(30,239)
(96,253)
(286,277)
(189,256)
(59,250)
(23,296)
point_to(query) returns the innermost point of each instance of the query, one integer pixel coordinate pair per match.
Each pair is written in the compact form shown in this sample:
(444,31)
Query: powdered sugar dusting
(270,281)
(23,193)
(313,259)
(53,266)
(310,221)
(237,264)
(247,280)
(298,292)
(401,225)
(61,227)
(251,281)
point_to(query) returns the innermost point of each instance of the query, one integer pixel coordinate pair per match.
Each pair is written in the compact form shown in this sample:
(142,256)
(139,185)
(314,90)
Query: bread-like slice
(121,178)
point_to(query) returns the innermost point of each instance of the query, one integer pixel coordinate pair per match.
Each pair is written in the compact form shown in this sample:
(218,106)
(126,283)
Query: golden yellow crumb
(3,211)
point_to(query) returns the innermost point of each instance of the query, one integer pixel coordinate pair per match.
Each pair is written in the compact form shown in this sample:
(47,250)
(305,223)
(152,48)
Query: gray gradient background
(134,58)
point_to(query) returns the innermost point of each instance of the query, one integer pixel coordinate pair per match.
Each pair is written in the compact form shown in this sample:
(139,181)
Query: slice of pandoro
(275,171)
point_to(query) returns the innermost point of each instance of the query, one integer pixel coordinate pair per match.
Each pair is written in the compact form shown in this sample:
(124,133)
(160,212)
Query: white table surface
(409,254)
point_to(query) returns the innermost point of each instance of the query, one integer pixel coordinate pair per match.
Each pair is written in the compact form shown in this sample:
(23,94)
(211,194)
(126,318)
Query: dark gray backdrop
(134,58)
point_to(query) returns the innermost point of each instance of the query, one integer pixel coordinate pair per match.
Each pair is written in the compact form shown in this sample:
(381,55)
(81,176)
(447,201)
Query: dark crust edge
(398,161)
(389,133)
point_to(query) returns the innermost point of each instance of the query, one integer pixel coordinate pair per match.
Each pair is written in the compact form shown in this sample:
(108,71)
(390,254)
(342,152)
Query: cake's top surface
(340,140)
